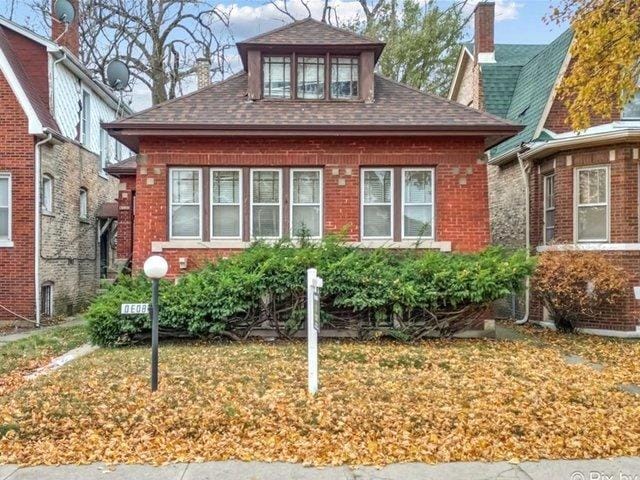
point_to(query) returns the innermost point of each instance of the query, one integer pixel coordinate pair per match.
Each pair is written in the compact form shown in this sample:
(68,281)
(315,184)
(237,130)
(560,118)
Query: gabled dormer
(310,61)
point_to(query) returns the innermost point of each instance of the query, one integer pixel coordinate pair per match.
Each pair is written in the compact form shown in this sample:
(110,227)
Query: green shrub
(407,294)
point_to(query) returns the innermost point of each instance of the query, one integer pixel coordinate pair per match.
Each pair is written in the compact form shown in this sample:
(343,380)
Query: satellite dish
(117,74)
(63,11)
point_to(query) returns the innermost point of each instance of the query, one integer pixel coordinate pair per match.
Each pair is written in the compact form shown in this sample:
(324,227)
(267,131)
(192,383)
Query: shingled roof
(224,107)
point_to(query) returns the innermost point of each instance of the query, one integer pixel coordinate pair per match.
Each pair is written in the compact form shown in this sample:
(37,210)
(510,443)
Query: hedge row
(408,295)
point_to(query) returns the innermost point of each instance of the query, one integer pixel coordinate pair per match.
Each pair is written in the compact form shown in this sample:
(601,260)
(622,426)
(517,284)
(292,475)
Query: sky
(517,21)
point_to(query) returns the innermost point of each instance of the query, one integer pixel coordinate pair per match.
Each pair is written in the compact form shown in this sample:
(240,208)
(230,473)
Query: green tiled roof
(531,92)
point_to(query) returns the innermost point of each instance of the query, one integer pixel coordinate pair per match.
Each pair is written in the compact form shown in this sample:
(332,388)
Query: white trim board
(35,126)
(590,247)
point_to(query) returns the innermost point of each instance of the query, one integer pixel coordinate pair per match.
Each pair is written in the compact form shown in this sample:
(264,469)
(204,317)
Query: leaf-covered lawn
(378,403)
(23,356)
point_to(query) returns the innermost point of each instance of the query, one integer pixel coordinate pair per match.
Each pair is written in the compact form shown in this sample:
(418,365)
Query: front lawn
(23,356)
(379,403)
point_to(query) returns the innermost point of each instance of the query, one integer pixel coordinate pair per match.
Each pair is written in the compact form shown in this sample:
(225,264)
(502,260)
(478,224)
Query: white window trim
(171,204)
(239,204)
(545,194)
(432,204)
(104,150)
(84,216)
(320,204)
(8,242)
(362,204)
(85,137)
(252,204)
(44,208)
(576,197)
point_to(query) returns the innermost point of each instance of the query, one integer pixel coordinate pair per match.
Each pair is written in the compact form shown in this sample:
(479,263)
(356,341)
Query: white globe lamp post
(155,267)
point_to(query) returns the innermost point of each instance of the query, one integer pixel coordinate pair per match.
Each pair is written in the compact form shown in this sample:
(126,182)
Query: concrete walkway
(625,468)
(14,337)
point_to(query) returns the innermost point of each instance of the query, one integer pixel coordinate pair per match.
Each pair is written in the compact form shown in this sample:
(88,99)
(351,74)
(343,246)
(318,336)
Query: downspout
(37,225)
(524,170)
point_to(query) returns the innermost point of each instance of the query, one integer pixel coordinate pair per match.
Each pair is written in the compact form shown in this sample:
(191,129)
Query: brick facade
(460,182)
(17,290)
(69,253)
(624,227)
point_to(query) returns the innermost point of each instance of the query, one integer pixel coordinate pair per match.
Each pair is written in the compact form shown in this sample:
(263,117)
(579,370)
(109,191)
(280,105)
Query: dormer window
(276,81)
(344,78)
(310,78)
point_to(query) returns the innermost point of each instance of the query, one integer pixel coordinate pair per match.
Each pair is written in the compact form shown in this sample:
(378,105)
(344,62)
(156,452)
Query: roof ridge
(307,20)
(450,102)
(175,99)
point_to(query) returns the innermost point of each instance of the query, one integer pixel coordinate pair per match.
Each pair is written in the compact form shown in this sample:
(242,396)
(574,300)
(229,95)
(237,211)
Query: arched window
(46,195)
(84,204)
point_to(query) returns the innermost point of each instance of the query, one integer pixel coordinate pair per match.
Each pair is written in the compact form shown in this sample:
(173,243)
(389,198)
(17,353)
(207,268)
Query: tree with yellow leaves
(605,68)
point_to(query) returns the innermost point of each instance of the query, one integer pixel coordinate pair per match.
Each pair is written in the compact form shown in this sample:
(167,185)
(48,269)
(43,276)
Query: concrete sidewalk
(14,337)
(626,468)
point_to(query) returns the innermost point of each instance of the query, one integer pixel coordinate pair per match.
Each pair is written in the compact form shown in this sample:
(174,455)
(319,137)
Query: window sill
(158,247)
(47,213)
(6,244)
(85,220)
(572,247)
(104,175)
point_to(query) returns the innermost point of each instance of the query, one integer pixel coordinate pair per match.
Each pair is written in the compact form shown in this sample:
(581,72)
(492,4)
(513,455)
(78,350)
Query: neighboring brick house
(56,224)
(582,186)
(306,136)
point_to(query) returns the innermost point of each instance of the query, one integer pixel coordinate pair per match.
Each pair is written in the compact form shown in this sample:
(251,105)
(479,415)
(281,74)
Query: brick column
(125,218)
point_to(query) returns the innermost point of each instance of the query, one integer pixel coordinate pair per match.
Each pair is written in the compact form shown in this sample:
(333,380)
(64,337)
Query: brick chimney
(203,72)
(70,38)
(484,19)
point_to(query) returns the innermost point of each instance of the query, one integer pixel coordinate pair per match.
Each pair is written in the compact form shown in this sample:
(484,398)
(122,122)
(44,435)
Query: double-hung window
(417,203)
(592,204)
(549,202)
(185,193)
(377,204)
(266,203)
(276,80)
(5,208)
(46,195)
(344,78)
(85,118)
(310,78)
(226,203)
(306,202)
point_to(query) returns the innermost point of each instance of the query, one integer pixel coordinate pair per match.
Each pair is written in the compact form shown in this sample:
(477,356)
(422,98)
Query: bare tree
(160,40)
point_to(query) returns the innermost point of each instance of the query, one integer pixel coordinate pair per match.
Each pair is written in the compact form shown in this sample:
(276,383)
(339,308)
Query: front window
(47,194)
(5,207)
(226,203)
(85,118)
(310,78)
(377,208)
(592,204)
(344,78)
(185,194)
(266,203)
(84,204)
(549,200)
(417,203)
(276,80)
(306,203)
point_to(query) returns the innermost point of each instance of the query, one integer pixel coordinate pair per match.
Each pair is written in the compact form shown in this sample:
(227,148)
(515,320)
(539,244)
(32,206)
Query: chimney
(71,37)
(484,18)
(203,72)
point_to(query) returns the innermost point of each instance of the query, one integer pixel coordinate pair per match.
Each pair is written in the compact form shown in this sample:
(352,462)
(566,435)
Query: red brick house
(55,228)
(306,137)
(582,187)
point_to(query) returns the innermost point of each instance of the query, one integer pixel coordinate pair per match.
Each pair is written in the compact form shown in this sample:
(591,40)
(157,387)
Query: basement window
(46,299)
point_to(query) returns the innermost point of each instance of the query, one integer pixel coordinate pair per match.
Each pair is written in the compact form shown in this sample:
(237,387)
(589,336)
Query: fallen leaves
(378,403)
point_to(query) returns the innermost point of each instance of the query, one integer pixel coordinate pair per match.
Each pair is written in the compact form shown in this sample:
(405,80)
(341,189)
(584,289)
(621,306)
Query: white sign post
(314,284)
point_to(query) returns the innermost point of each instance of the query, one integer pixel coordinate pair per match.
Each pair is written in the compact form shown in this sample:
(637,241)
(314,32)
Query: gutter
(524,170)
(37,224)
